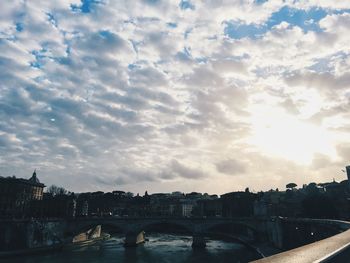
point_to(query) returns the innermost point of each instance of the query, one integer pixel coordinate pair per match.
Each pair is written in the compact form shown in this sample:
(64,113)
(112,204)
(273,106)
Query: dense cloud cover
(175,95)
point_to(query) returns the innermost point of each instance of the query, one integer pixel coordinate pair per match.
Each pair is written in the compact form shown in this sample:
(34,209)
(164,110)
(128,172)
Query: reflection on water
(161,248)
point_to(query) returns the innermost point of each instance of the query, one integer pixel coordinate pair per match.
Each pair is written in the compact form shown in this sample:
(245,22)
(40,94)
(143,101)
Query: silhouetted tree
(56,190)
(311,188)
(291,186)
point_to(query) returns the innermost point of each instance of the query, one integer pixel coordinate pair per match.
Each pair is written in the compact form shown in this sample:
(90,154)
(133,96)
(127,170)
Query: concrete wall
(286,234)
(38,234)
(33,234)
(274,232)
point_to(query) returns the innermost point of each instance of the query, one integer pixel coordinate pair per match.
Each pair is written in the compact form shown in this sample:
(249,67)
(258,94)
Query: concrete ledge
(344,225)
(317,252)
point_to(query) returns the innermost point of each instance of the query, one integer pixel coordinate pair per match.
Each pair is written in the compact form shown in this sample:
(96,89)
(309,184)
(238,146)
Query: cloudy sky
(210,95)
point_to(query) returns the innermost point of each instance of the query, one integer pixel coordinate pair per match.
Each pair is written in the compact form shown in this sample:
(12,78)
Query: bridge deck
(317,252)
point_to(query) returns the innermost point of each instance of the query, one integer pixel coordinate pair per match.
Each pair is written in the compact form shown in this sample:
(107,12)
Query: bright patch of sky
(260,1)
(86,6)
(52,19)
(172,25)
(19,27)
(185,4)
(308,20)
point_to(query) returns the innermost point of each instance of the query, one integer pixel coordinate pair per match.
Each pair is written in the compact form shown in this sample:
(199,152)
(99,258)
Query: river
(161,248)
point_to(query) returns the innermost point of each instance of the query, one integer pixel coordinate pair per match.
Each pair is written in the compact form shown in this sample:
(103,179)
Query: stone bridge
(36,233)
(282,233)
(132,227)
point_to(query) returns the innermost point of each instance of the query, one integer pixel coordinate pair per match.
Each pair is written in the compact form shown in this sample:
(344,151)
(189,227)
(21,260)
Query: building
(186,209)
(58,206)
(182,208)
(238,204)
(85,209)
(210,207)
(348,173)
(16,194)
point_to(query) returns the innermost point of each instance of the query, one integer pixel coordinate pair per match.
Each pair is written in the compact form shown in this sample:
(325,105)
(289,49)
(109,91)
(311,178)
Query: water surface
(161,248)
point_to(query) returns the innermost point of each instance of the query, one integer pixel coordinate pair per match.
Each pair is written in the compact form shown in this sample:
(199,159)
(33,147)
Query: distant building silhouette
(236,204)
(17,193)
(58,206)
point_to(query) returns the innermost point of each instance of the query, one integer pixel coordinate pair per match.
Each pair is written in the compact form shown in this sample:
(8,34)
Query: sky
(184,95)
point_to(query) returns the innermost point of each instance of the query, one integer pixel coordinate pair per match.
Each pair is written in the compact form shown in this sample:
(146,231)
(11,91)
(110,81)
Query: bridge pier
(133,239)
(90,234)
(198,241)
(274,231)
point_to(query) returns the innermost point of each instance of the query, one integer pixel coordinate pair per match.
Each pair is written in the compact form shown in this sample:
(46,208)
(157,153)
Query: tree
(319,206)
(129,195)
(291,186)
(56,190)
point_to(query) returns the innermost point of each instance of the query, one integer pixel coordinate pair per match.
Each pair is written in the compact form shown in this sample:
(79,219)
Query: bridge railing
(343,225)
(327,250)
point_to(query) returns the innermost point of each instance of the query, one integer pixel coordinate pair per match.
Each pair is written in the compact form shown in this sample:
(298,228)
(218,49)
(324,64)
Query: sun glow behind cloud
(281,135)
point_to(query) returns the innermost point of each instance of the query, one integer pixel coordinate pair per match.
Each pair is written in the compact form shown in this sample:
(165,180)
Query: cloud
(340,109)
(150,94)
(323,81)
(230,167)
(321,161)
(290,106)
(177,169)
(344,151)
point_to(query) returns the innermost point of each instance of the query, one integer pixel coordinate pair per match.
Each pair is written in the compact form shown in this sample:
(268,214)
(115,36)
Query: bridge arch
(235,229)
(164,226)
(245,225)
(81,227)
(188,228)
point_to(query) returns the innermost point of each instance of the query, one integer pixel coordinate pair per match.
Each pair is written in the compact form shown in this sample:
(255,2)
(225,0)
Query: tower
(34,179)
